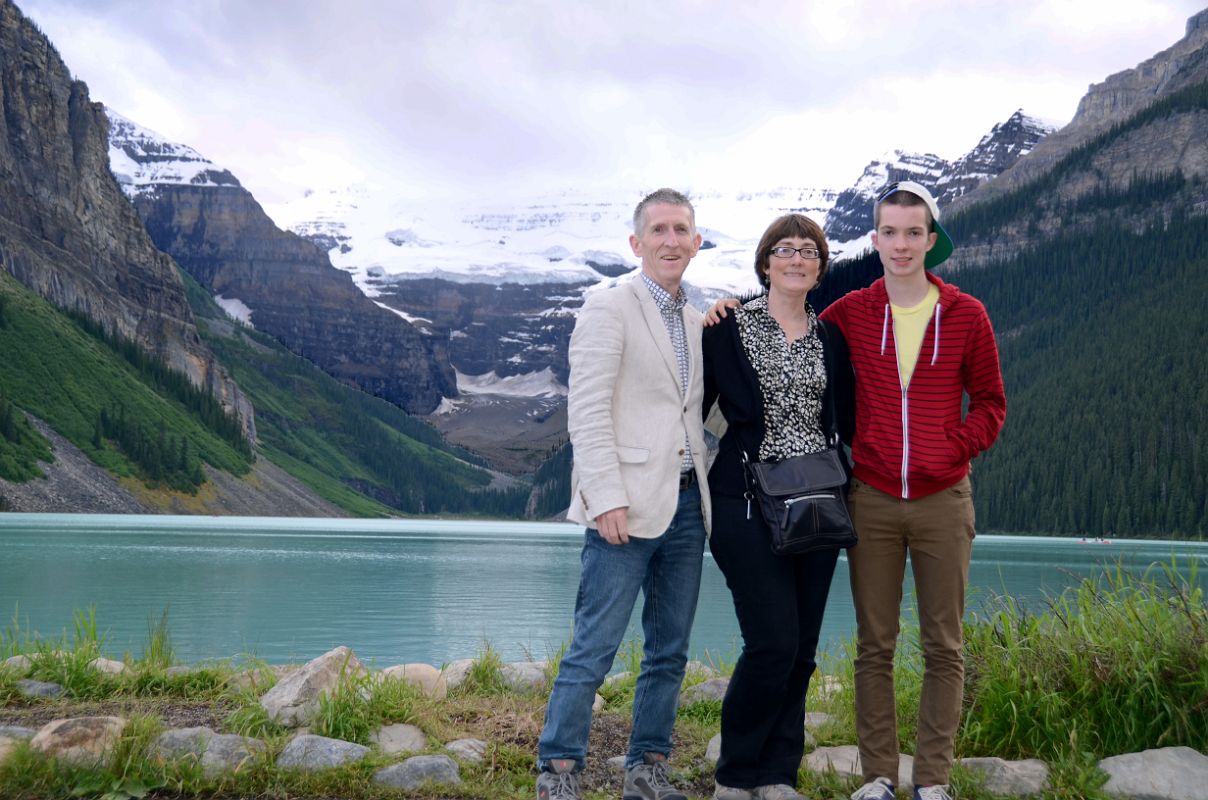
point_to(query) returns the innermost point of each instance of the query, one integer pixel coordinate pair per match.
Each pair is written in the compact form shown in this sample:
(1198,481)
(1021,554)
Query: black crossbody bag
(803,499)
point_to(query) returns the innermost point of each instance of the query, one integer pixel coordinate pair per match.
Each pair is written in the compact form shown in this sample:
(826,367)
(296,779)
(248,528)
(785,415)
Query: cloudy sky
(497,98)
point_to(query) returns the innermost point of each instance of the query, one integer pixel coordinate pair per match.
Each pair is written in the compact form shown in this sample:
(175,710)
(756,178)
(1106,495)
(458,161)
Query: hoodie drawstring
(935,348)
(935,345)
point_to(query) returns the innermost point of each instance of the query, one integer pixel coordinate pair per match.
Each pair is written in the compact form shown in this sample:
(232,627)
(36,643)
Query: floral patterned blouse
(792,380)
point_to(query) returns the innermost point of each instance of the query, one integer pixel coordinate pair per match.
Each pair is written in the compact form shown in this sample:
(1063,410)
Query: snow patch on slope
(236,309)
(530,384)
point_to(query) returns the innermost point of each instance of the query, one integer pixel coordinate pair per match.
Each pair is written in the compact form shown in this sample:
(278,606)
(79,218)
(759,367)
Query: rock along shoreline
(291,697)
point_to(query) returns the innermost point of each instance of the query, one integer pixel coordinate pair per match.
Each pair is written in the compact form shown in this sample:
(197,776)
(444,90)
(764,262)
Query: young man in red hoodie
(917,345)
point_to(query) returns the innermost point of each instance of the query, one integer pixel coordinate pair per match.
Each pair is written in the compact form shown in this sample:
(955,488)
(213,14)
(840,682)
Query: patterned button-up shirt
(672,311)
(792,380)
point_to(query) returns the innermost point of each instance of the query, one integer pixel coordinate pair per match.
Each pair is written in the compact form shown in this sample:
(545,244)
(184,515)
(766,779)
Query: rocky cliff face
(281,283)
(510,329)
(1112,154)
(223,238)
(997,152)
(1116,99)
(67,232)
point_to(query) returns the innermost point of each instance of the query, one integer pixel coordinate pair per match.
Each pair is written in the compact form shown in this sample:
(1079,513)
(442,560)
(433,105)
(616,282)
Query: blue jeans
(667,569)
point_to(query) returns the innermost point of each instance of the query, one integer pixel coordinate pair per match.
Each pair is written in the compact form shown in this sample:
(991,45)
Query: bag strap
(833,436)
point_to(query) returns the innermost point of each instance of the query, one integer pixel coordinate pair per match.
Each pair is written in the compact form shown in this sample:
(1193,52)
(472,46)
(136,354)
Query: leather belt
(687,479)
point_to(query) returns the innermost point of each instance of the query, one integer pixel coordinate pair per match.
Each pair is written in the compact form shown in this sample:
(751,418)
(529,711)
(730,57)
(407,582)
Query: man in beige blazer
(639,485)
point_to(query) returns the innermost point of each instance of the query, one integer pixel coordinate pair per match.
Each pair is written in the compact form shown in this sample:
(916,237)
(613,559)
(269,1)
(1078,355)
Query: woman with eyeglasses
(776,372)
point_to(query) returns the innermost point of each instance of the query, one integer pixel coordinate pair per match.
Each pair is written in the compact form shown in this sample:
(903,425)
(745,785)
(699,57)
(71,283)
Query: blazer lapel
(657,328)
(692,332)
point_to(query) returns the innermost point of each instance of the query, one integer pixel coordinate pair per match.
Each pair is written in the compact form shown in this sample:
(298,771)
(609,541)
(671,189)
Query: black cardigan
(730,380)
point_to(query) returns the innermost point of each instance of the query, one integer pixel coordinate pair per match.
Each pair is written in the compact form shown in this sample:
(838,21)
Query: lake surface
(407,590)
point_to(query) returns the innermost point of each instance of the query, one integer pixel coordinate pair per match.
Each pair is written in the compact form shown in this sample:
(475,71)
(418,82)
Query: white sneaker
(876,789)
(936,792)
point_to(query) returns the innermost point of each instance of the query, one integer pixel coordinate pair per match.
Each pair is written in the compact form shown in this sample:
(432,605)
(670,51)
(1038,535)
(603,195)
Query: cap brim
(943,248)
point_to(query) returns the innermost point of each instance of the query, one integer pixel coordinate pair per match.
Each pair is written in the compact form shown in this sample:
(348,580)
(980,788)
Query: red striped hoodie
(912,442)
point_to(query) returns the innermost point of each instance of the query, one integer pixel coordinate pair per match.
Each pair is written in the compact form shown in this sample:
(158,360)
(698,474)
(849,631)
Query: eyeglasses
(787,252)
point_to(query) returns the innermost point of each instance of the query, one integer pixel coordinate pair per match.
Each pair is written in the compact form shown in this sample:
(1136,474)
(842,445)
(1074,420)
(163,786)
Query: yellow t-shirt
(909,325)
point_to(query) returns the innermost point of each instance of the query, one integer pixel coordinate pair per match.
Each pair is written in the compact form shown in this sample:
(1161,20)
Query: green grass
(54,370)
(1114,665)
(356,451)
(1117,664)
(21,446)
(485,677)
(360,453)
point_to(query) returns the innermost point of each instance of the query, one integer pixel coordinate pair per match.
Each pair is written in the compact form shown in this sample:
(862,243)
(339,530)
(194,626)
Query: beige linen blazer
(627,413)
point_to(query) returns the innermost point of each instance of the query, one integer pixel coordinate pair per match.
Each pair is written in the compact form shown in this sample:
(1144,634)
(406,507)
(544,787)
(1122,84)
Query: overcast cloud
(469,98)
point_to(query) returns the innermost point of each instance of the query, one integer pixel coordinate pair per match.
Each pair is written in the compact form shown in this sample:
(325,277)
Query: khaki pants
(937,530)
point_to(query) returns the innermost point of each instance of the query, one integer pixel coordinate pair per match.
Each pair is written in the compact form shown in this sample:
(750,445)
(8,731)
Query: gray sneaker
(730,793)
(648,781)
(559,781)
(777,791)
(876,789)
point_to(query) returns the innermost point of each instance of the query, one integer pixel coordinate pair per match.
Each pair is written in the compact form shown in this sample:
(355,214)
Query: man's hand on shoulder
(718,312)
(613,525)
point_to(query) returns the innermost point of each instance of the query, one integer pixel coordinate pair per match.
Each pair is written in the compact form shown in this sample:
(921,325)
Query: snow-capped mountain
(850,219)
(496,283)
(141,159)
(569,237)
(271,279)
(998,150)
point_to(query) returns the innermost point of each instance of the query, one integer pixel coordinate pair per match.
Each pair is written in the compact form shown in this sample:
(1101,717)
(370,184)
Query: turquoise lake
(408,590)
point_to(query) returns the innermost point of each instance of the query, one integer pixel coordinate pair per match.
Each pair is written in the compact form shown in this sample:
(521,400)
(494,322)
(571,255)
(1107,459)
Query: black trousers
(779,601)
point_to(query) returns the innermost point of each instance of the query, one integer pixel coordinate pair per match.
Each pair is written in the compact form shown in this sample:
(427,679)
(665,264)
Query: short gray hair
(670,197)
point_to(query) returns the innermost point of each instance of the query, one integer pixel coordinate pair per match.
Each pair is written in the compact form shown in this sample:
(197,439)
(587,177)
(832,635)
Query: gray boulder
(399,739)
(817,719)
(471,750)
(217,753)
(525,676)
(310,752)
(426,677)
(80,740)
(844,761)
(713,749)
(31,688)
(295,699)
(1010,778)
(1169,773)
(712,689)
(619,677)
(456,672)
(107,666)
(417,770)
(16,732)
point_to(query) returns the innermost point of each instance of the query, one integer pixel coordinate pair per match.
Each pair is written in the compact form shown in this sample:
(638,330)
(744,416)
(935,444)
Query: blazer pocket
(632,455)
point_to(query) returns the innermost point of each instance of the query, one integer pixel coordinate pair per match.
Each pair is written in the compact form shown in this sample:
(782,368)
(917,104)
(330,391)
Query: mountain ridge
(66,230)
(285,286)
